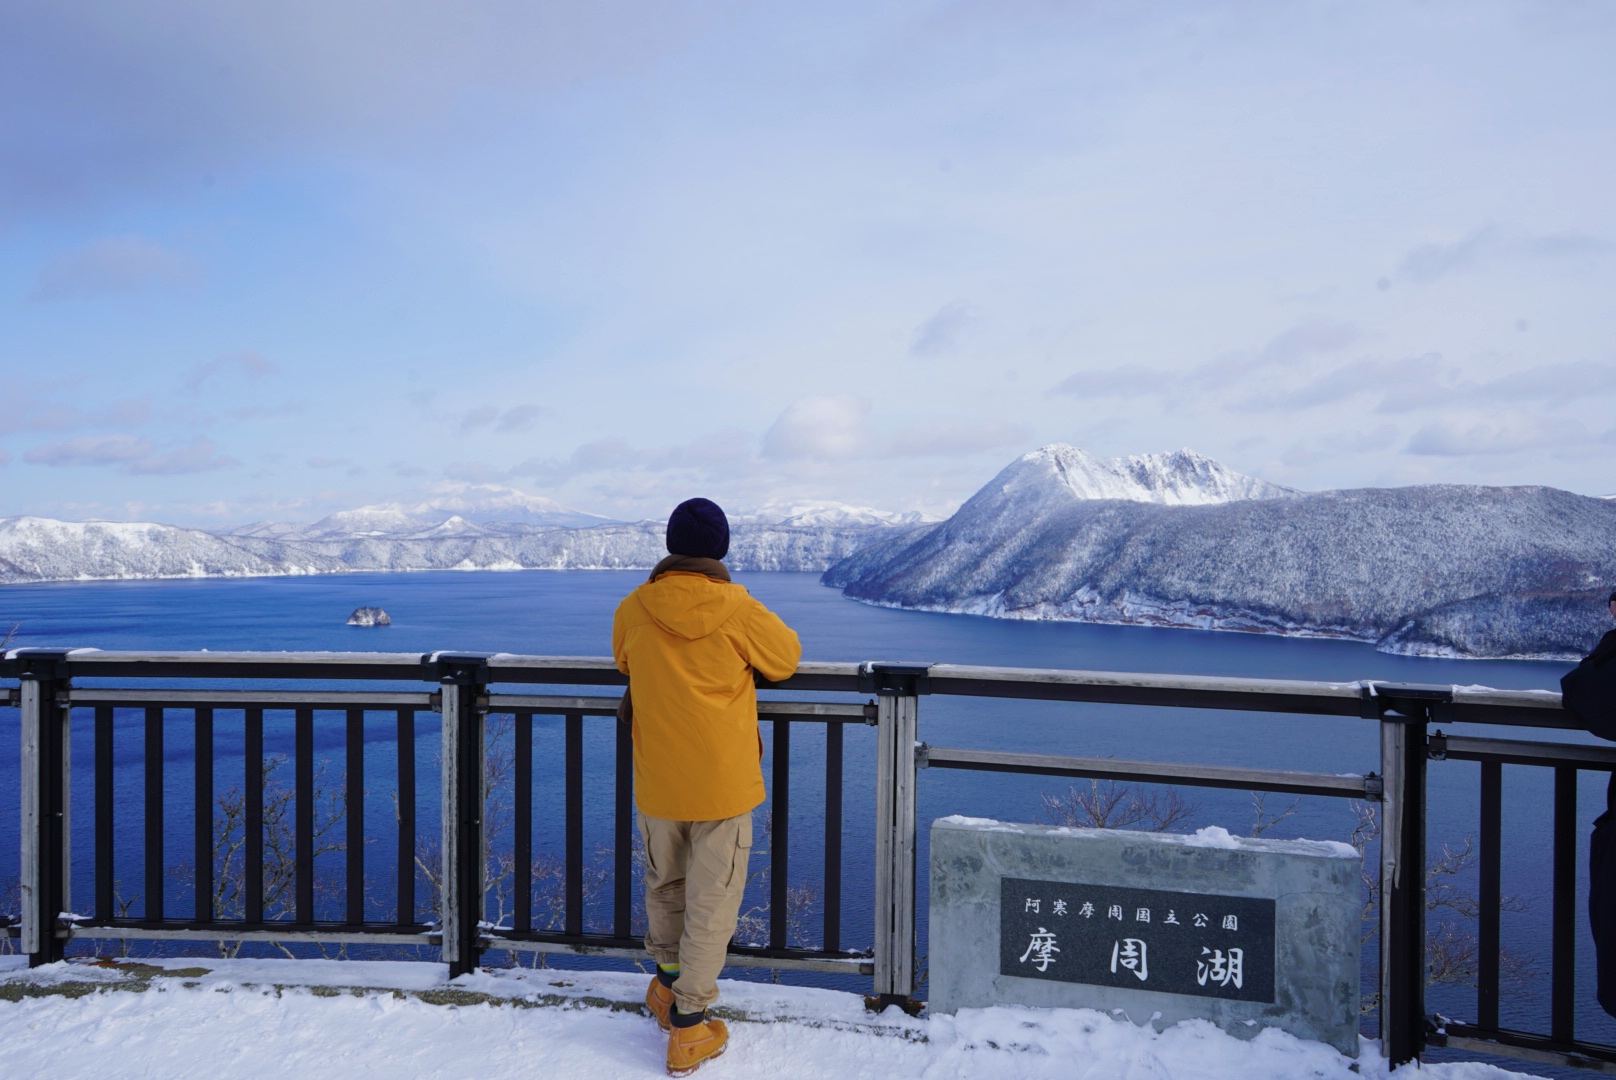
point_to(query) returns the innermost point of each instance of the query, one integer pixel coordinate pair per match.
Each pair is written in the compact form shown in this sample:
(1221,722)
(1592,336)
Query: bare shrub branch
(752,927)
(1106,804)
(280,847)
(1261,820)
(1451,949)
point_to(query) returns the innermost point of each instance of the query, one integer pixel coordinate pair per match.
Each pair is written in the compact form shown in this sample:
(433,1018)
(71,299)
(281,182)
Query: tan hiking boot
(659,999)
(689,1047)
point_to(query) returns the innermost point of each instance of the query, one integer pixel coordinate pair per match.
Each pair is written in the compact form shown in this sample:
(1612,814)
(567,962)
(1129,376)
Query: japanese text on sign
(1204,945)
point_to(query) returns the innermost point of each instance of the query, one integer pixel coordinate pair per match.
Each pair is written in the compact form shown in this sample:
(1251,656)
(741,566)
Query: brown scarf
(687,564)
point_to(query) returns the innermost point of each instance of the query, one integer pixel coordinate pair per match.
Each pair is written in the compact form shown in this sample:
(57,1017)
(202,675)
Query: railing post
(898,688)
(464,679)
(46,764)
(1405,713)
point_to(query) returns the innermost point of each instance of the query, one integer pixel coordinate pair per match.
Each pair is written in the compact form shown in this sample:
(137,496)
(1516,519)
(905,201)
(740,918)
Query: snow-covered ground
(280,1018)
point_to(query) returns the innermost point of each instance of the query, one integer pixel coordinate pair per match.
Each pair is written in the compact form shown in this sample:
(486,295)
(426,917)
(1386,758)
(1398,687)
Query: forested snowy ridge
(1445,570)
(351,1020)
(42,549)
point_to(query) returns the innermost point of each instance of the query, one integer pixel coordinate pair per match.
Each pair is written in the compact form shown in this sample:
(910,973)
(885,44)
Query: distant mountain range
(467,506)
(1181,540)
(514,532)
(1158,539)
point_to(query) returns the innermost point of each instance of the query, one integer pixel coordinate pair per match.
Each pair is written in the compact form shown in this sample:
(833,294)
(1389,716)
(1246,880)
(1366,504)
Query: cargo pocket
(743,855)
(651,874)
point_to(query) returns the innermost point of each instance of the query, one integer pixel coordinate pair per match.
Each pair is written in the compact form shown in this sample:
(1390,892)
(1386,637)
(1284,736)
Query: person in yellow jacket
(689,640)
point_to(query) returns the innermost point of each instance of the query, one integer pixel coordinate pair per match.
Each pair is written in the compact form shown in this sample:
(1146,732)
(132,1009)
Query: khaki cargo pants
(695,873)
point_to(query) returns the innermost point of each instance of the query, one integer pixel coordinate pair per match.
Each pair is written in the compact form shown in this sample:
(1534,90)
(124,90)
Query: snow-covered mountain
(464,509)
(1438,570)
(1181,478)
(818,512)
(40,549)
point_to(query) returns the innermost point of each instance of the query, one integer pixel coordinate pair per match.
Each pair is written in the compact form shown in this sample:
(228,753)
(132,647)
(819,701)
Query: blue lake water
(570,613)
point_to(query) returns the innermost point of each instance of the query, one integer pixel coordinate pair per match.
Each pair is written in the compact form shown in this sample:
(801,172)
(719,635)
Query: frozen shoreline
(1162,617)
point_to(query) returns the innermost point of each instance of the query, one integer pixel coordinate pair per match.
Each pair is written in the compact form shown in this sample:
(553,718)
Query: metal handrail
(1466,704)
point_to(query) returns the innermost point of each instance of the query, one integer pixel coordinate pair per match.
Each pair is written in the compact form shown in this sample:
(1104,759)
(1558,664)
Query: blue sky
(271,260)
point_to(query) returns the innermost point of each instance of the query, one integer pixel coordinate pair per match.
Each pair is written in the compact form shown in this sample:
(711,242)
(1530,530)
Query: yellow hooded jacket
(689,644)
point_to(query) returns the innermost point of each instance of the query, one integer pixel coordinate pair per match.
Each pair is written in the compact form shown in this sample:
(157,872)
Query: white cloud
(958,436)
(26,410)
(1283,353)
(247,363)
(517,418)
(91,450)
(729,451)
(942,332)
(131,456)
(161,96)
(1490,244)
(821,427)
(1465,435)
(1352,443)
(115,265)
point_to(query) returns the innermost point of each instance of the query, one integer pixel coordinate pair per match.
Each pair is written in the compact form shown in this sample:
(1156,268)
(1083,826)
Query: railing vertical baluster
(154,813)
(45,794)
(779,834)
(1562,1012)
(623,836)
(105,907)
(897,687)
(406,817)
(1403,750)
(303,766)
(522,841)
(203,817)
(833,837)
(1490,869)
(465,843)
(575,823)
(354,808)
(253,826)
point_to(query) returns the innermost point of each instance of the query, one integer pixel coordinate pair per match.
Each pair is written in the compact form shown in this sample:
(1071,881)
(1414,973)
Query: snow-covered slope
(39,549)
(1181,478)
(1436,570)
(818,512)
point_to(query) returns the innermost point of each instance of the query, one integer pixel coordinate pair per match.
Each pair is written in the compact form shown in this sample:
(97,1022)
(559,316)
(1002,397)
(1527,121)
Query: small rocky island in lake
(370,616)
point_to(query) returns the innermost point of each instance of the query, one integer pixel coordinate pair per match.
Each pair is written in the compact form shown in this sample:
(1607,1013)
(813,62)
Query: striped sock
(667,973)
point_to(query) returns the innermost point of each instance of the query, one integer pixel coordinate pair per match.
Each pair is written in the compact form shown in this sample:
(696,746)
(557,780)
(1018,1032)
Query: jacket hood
(690,605)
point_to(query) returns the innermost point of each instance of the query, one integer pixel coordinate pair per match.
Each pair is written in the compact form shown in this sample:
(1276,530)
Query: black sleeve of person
(1588,690)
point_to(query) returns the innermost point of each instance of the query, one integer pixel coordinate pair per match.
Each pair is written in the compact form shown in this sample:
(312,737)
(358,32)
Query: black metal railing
(52,685)
(779,717)
(459,897)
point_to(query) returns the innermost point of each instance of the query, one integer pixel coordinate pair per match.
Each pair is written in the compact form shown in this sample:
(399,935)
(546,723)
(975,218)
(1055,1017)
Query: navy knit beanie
(699,529)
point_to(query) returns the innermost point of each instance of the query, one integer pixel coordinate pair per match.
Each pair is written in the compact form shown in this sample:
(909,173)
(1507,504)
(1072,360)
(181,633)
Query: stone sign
(1172,942)
(1246,933)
